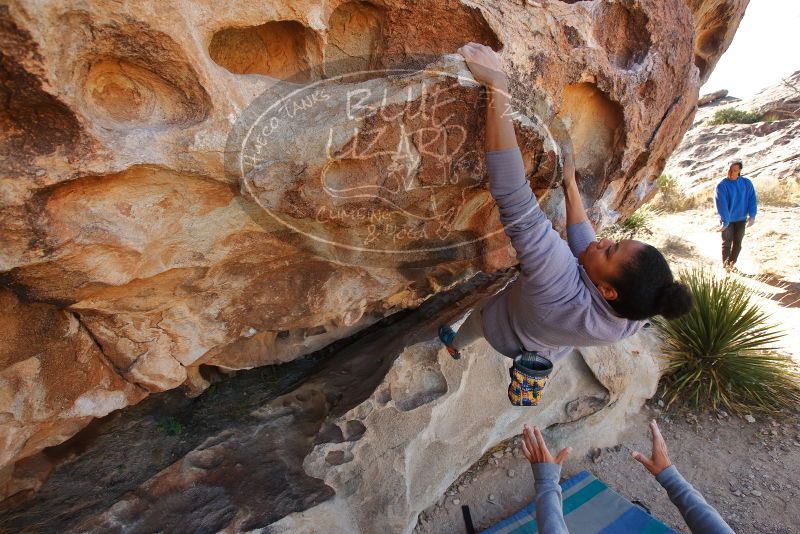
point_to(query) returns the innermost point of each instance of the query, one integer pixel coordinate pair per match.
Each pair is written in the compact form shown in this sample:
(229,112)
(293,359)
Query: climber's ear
(608,291)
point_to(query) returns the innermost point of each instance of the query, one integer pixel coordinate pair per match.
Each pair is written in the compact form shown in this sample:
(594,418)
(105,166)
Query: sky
(765,49)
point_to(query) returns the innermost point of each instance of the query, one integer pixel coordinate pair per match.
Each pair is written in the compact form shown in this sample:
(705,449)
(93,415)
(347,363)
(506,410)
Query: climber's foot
(453,352)
(446,335)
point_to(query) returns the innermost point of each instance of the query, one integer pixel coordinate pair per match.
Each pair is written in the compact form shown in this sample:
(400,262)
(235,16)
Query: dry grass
(779,194)
(638,224)
(670,197)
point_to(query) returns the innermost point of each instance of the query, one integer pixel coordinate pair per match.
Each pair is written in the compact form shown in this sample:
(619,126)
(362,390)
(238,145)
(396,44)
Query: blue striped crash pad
(590,507)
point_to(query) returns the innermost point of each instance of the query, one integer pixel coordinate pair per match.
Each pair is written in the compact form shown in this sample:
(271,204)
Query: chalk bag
(529,375)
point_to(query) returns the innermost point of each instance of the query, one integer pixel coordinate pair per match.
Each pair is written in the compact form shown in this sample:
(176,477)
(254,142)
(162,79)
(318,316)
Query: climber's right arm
(486,68)
(700,516)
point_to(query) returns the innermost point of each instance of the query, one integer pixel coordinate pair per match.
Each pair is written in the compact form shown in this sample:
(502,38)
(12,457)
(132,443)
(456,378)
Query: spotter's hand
(536,451)
(659,459)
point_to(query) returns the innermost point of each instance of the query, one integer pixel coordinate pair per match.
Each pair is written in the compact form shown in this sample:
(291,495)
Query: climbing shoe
(446,335)
(529,375)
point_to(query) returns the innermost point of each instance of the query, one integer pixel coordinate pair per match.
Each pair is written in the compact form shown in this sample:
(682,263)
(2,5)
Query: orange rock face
(53,380)
(155,219)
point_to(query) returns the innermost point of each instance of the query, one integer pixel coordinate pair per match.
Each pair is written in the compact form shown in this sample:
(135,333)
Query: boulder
(715,24)
(53,382)
(712,97)
(139,200)
(364,445)
(417,441)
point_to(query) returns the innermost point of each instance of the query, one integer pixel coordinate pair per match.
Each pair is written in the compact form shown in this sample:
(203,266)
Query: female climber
(582,292)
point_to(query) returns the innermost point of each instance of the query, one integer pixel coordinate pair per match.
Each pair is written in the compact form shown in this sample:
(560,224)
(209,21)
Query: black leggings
(732,241)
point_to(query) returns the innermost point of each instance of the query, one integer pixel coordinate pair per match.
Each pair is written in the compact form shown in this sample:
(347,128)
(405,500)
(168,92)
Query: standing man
(736,205)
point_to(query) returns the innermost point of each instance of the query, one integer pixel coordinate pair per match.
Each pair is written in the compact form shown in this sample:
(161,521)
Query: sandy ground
(749,471)
(770,252)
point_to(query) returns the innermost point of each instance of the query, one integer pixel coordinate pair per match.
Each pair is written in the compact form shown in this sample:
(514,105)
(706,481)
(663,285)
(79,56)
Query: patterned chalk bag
(529,375)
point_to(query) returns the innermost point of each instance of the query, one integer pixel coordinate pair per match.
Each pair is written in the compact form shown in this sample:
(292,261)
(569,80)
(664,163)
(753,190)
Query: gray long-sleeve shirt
(552,305)
(700,516)
(549,508)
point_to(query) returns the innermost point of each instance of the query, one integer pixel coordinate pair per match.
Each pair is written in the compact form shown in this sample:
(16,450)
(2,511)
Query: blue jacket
(736,200)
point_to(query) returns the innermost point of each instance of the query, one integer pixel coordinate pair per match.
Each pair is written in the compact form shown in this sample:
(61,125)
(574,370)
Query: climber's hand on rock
(484,63)
(536,451)
(659,460)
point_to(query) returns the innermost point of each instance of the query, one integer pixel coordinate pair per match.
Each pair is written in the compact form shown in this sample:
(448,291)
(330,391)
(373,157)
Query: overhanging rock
(119,213)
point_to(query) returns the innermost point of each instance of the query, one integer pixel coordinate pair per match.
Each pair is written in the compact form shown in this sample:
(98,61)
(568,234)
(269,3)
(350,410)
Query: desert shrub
(734,116)
(722,353)
(670,196)
(637,224)
(784,194)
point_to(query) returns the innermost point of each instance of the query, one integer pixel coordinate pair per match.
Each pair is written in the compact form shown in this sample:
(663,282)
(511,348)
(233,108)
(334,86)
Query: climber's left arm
(579,230)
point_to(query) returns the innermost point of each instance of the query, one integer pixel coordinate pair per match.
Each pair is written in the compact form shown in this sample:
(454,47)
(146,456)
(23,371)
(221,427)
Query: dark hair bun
(674,300)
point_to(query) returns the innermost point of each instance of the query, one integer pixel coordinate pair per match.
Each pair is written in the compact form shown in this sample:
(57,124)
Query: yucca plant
(723,353)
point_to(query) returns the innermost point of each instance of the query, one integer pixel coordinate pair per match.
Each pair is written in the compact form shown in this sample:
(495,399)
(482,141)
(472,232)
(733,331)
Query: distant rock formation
(169,206)
(712,97)
(770,150)
(780,101)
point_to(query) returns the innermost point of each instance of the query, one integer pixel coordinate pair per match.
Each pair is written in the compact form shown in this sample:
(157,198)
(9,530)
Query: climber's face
(734,171)
(603,261)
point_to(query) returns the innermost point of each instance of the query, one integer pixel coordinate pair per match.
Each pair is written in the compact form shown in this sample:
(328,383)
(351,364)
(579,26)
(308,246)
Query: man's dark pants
(732,241)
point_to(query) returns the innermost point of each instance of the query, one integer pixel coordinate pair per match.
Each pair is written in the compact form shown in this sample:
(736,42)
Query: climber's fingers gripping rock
(483,62)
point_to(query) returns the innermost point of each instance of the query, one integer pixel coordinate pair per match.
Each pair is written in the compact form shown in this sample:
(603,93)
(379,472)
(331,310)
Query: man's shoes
(446,335)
